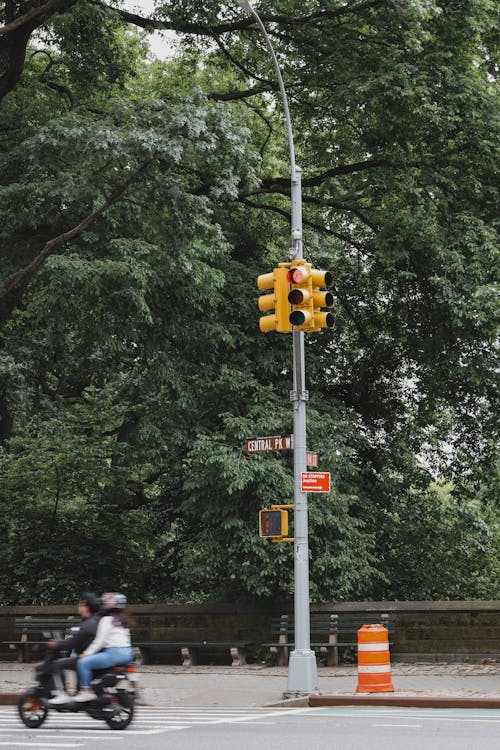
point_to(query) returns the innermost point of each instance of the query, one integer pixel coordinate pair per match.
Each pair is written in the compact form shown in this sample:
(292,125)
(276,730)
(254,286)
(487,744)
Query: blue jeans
(109,657)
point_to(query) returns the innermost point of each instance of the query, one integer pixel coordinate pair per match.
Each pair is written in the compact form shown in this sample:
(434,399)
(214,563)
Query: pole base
(302,672)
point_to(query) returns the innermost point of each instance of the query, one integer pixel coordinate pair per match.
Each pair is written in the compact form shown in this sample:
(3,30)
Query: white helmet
(113,600)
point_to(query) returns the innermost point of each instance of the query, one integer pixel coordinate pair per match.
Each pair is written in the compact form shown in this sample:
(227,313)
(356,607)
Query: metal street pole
(302,671)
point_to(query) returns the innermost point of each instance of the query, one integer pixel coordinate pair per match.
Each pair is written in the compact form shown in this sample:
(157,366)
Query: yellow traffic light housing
(296,299)
(273,524)
(300,295)
(307,298)
(322,319)
(277,300)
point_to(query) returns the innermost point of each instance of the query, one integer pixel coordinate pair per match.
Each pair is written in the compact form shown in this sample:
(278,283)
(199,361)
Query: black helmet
(91,600)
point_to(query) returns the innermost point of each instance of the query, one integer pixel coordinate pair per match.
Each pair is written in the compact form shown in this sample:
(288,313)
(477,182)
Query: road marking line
(411,726)
(40,744)
(107,738)
(431,717)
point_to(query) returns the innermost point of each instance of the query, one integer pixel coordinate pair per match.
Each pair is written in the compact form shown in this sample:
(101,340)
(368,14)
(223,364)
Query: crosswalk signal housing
(273,523)
(276,302)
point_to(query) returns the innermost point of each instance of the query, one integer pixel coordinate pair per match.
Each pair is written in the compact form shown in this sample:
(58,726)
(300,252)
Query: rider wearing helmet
(111,645)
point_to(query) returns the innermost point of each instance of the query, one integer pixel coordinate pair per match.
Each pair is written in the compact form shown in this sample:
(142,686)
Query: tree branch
(15,34)
(360,166)
(241,24)
(318,227)
(351,314)
(339,206)
(54,85)
(235,95)
(265,121)
(239,64)
(311,199)
(20,276)
(35,14)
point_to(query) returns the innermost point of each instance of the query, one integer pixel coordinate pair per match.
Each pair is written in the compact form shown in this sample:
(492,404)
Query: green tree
(140,201)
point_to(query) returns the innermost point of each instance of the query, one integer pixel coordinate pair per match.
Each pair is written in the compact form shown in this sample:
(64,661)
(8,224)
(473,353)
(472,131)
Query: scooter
(115,705)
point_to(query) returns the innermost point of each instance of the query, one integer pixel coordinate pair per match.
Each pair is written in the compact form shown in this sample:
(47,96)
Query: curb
(408,701)
(316,701)
(290,703)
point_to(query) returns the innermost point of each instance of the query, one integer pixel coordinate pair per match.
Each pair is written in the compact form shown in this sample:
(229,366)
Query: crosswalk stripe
(148,720)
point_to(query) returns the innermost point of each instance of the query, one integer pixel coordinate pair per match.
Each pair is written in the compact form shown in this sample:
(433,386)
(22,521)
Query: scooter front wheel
(30,710)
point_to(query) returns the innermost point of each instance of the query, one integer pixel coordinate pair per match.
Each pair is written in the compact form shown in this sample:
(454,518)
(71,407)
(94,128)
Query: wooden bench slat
(46,628)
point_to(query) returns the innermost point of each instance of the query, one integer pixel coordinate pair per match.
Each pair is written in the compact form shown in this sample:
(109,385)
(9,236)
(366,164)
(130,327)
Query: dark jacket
(83,638)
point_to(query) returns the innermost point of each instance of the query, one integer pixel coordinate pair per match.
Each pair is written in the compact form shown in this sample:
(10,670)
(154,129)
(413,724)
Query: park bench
(32,633)
(189,650)
(329,632)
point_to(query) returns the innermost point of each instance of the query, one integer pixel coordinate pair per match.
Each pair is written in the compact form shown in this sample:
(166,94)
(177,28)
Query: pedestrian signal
(273,523)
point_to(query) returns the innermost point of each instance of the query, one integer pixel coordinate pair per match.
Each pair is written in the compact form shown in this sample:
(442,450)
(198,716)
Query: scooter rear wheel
(124,711)
(30,710)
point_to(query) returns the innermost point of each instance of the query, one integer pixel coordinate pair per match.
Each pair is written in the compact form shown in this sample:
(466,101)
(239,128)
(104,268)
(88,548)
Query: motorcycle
(115,705)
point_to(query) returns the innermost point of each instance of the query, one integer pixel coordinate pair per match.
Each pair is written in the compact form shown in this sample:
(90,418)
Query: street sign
(315,481)
(277,443)
(273,443)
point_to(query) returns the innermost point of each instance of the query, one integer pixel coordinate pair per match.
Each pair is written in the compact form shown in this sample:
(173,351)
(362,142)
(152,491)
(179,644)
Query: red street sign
(315,481)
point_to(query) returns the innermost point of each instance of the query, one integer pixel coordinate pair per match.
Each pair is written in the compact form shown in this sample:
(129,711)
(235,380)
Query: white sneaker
(84,696)
(60,698)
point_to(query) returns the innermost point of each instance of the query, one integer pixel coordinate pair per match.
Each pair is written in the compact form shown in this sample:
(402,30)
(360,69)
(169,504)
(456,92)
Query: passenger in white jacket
(111,645)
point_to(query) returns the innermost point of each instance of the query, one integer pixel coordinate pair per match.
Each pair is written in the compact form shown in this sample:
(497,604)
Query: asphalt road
(184,728)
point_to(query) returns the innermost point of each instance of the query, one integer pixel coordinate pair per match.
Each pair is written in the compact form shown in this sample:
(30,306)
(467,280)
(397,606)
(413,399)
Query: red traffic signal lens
(297,275)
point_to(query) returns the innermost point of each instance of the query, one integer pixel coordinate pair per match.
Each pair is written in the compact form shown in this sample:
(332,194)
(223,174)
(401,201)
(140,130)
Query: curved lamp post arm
(246,6)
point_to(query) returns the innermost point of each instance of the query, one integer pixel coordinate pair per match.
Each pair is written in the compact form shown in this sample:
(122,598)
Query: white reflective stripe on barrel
(373,647)
(368,669)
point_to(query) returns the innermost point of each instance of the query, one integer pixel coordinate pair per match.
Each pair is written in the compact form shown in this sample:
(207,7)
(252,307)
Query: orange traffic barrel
(374,660)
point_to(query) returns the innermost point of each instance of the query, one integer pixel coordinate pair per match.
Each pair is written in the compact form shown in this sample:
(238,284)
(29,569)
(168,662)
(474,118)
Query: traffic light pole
(302,671)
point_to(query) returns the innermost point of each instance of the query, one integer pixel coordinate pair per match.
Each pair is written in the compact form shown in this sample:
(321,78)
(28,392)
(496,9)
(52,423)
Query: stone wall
(453,630)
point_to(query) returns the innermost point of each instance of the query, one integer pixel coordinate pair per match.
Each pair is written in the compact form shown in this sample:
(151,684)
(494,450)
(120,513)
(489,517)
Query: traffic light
(307,299)
(322,319)
(273,523)
(300,296)
(277,300)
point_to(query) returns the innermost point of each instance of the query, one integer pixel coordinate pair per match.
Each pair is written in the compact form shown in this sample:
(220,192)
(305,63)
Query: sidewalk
(477,685)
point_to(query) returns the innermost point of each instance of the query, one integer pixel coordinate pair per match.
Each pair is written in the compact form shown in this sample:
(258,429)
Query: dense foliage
(140,199)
